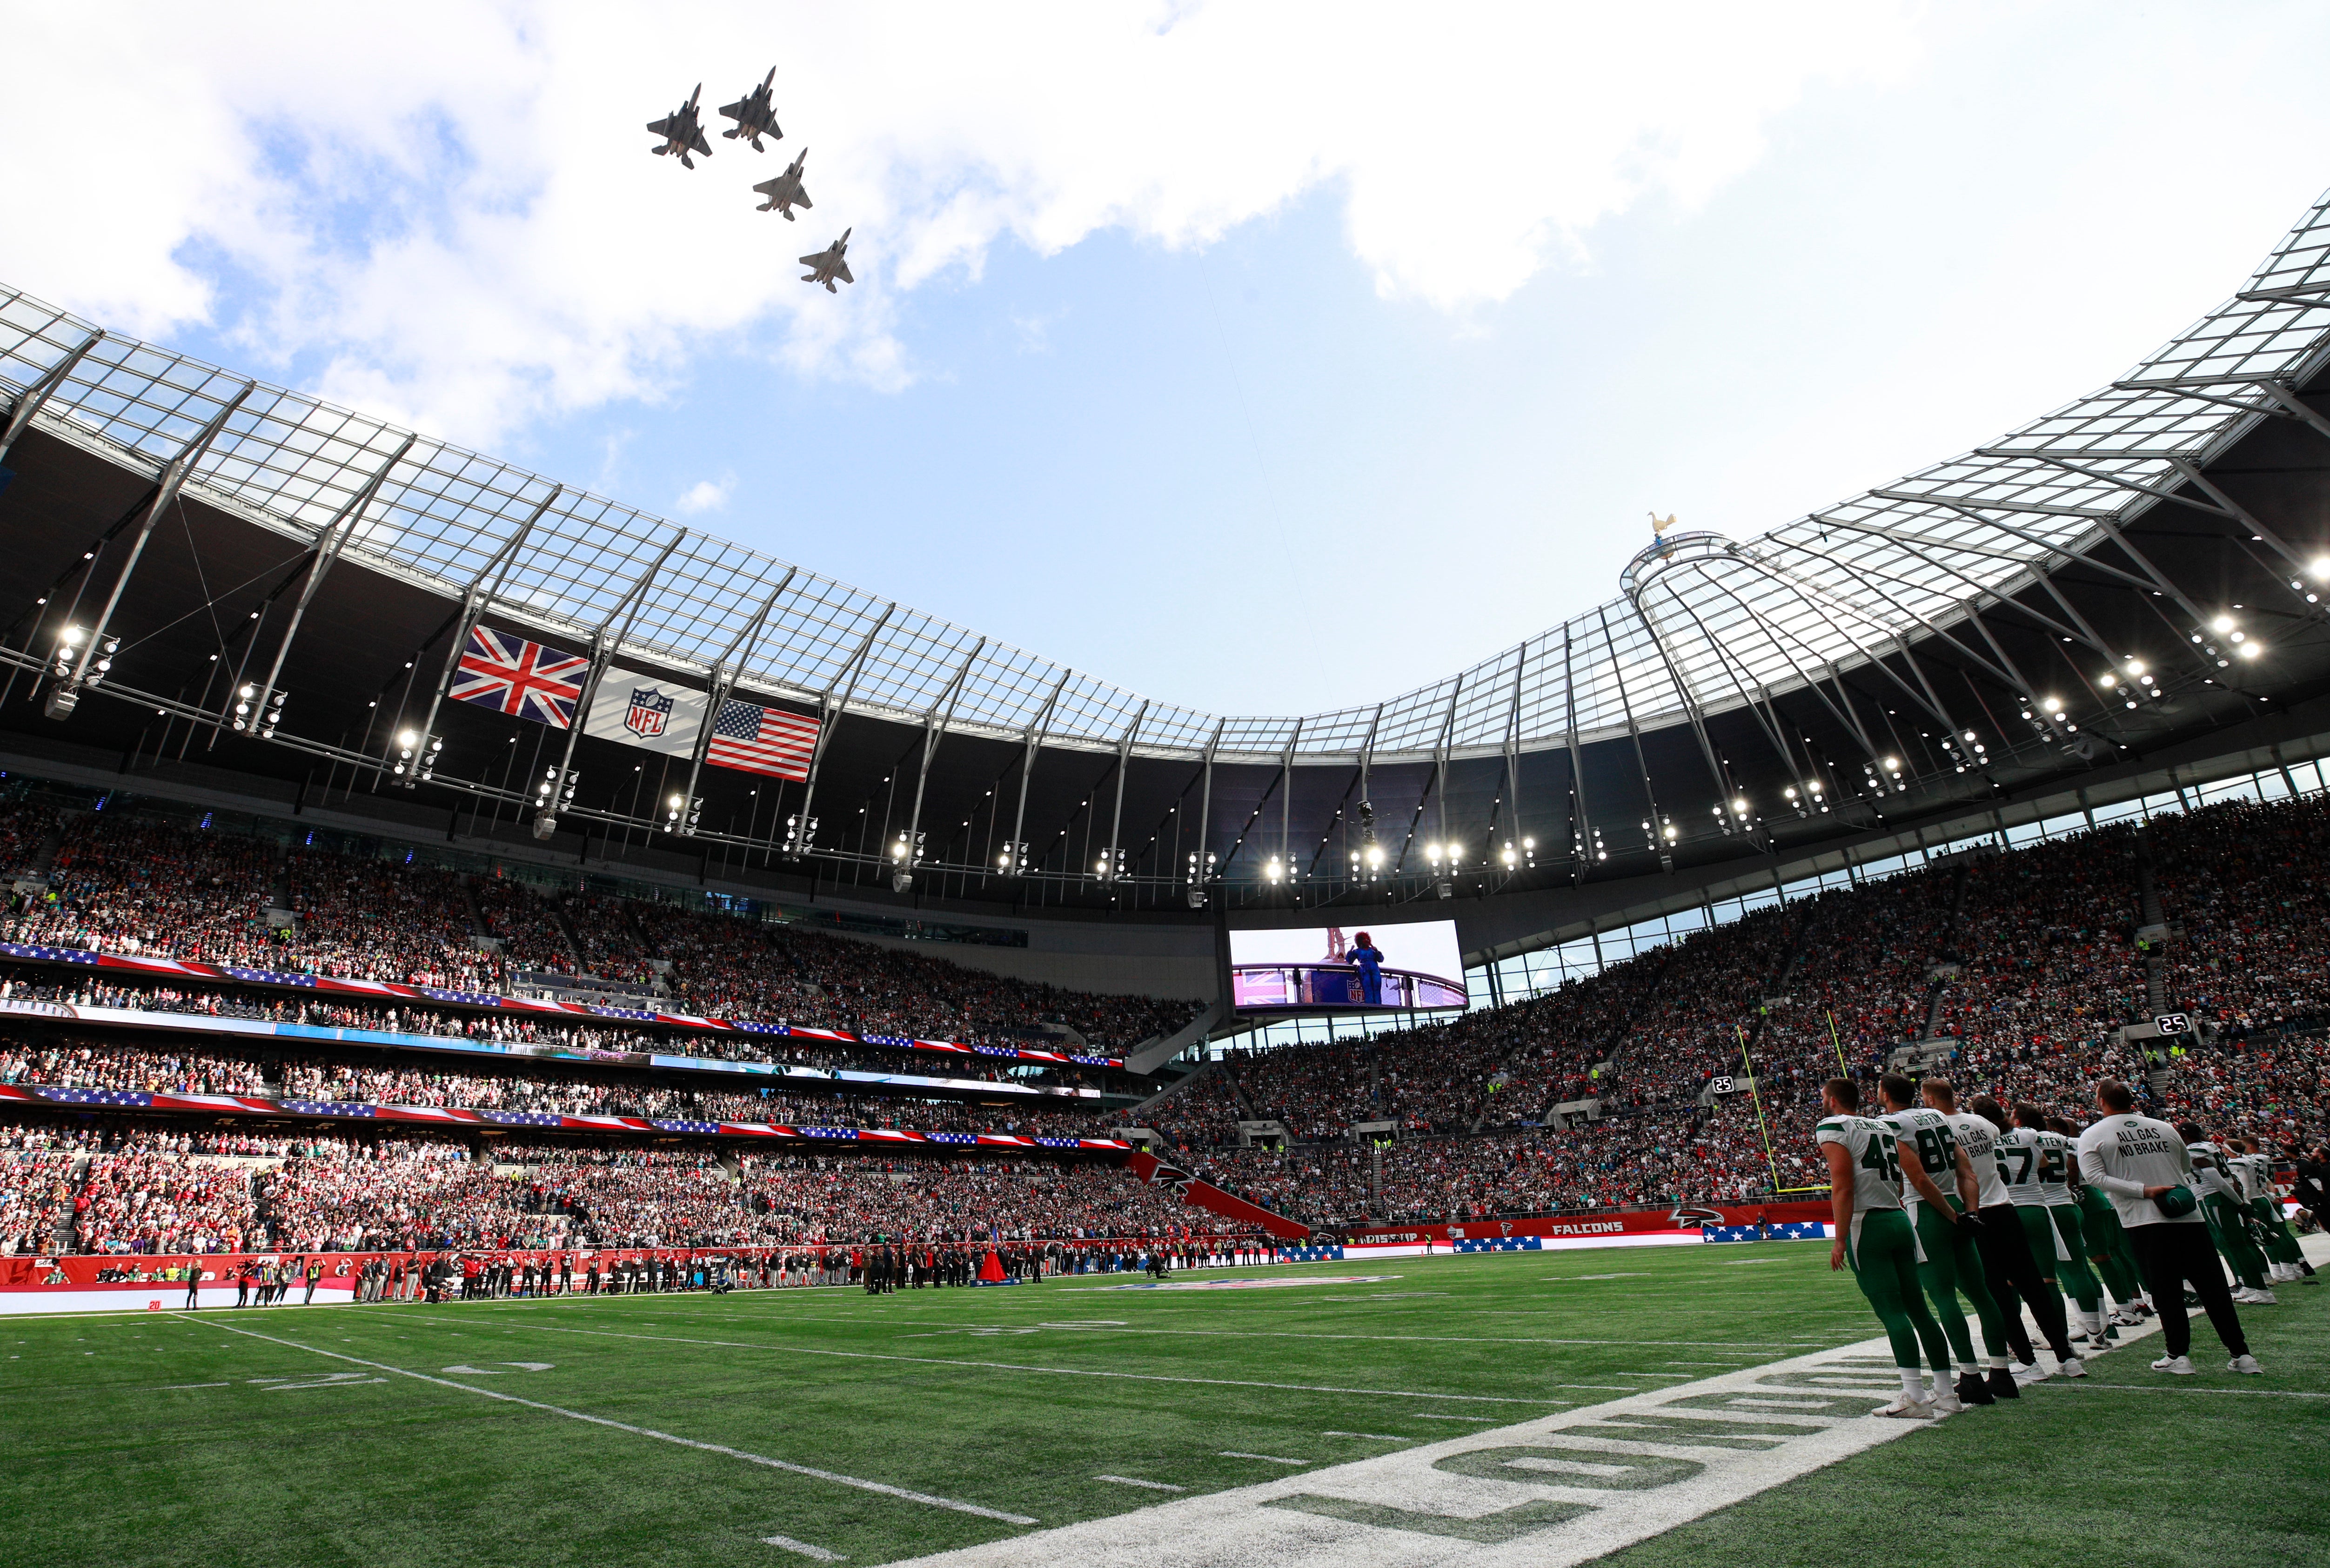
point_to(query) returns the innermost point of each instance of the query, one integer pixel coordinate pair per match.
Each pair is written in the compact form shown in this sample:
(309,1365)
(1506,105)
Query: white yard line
(1179,1333)
(786,1465)
(1137,1481)
(1268,1458)
(803,1548)
(1047,1371)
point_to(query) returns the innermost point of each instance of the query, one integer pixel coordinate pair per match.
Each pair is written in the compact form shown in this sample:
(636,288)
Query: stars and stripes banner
(523,679)
(764,740)
(646,710)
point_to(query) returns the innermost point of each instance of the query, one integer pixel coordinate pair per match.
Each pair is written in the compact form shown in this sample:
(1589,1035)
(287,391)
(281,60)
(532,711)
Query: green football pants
(1952,1269)
(2228,1227)
(2108,1246)
(2280,1241)
(1883,1252)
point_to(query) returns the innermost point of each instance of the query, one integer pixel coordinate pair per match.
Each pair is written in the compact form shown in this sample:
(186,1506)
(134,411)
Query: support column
(85,666)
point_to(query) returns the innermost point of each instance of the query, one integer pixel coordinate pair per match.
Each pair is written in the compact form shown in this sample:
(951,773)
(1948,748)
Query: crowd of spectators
(123,883)
(1690,1072)
(144,1190)
(130,1065)
(521,1028)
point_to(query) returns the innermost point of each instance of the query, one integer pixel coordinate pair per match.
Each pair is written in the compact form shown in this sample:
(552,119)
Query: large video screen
(1409,966)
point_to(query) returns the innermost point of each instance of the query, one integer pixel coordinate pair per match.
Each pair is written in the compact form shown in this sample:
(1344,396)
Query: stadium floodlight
(553,794)
(416,757)
(2321,568)
(799,835)
(1272,871)
(2222,624)
(1511,856)
(2249,650)
(257,712)
(93,659)
(681,814)
(905,854)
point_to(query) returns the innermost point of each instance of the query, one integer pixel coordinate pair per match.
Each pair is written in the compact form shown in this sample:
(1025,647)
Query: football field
(1655,1405)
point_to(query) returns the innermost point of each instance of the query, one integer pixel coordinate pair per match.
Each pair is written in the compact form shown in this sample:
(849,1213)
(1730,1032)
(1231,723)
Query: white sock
(1913,1385)
(1998,1364)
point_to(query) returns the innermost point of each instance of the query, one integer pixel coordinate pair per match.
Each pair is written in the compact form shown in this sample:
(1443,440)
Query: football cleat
(1972,1390)
(1946,1402)
(2070,1368)
(2246,1365)
(2179,1365)
(1908,1409)
(2002,1384)
(2030,1373)
(2127,1317)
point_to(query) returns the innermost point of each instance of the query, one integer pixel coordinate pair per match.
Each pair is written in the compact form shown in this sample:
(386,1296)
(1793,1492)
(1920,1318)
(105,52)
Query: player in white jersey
(2252,1164)
(2228,1213)
(2057,1155)
(1873,1236)
(2006,1266)
(1939,1190)
(2025,1163)
(2145,1168)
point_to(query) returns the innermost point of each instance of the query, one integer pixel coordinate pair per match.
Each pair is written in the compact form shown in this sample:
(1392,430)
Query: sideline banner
(1685,1223)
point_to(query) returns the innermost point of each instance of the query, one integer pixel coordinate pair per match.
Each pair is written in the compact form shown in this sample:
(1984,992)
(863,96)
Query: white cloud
(449,215)
(705,496)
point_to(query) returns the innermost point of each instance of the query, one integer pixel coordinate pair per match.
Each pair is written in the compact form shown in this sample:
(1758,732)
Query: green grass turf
(972,1395)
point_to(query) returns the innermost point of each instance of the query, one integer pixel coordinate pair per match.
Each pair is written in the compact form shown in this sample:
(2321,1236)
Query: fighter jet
(682,133)
(785,192)
(827,265)
(755,115)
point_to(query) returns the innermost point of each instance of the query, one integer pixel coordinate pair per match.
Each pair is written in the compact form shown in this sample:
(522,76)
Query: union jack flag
(513,676)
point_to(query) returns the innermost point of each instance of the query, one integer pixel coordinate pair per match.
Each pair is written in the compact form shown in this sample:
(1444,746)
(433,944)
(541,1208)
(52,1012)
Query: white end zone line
(786,1465)
(1554,1491)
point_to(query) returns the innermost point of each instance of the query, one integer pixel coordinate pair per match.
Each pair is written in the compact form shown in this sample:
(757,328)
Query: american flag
(759,739)
(515,677)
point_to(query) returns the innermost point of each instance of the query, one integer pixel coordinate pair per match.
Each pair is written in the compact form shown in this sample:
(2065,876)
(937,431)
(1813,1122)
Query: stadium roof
(1704,625)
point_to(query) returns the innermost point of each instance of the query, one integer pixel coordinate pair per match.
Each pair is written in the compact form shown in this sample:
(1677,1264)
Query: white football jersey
(2210,1176)
(1876,1166)
(1927,1134)
(2022,1156)
(2057,1157)
(1979,1139)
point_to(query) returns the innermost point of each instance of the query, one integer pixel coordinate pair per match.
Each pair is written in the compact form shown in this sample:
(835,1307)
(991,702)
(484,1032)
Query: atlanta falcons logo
(1689,1214)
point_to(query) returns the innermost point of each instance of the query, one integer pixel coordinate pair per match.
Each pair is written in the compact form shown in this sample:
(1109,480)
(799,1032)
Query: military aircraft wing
(841,271)
(660,127)
(699,144)
(820,260)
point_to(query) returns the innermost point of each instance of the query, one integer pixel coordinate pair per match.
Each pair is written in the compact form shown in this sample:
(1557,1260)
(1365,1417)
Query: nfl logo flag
(646,710)
(766,740)
(650,711)
(525,679)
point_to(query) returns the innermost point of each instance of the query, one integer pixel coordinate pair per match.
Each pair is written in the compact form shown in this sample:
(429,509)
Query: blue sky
(1263,371)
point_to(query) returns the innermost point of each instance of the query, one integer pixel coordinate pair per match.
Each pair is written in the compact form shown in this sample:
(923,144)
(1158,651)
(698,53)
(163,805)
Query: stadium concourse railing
(384,989)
